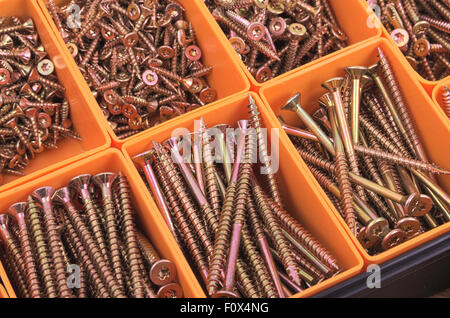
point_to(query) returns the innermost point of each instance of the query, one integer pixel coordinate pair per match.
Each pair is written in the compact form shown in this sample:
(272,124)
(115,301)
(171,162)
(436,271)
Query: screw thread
(131,236)
(81,252)
(14,274)
(446,100)
(257,263)
(280,243)
(394,88)
(305,238)
(54,242)
(374,106)
(43,259)
(372,130)
(212,189)
(346,191)
(29,264)
(182,223)
(113,239)
(178,184)
(221,242)
(256,124)
(245,281)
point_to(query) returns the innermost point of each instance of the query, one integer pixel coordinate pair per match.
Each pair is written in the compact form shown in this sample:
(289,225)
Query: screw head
(400,37)
(107,34)
(297,30)
(163,272)
(150,78)
(172,290)
(111,97)
(129,111)
(420,28)
(422,47)
(134,11)
(263,74)
(131,39)
(256,31)
(366,240)
(409,225)
(238,44)
(377,228)
(277,26)
(45,67)
(393,238)
(208,95)
(193,53)
(135,122)
(44,120)
(166,52)
(174,11)
(5,76)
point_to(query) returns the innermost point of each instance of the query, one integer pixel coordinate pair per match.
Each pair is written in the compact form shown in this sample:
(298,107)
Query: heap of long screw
(140,59)
(34,113)
(82,241)
(274,37)
(420,28)
(363,149)
(239,237)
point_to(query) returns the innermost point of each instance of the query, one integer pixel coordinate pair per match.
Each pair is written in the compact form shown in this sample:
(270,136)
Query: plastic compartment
(432,126)
(147,218)
(3,293)
(299,191)
(437,94)
(82,111)
(427,84)
(227,77)
(352,17)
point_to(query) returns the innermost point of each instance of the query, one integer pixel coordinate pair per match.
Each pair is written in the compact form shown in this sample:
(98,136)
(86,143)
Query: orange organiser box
(437,94)
(299,191)
(432,126)
(226,77)
(427,84)
(82,112)
(147,217)
(3,293)
(352,16)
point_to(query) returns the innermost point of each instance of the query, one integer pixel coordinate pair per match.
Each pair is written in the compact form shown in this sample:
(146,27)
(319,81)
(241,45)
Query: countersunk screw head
(422,47)
(277,26)
(193,53)
(45,67)
(172,290)
(163,272)
(5,76)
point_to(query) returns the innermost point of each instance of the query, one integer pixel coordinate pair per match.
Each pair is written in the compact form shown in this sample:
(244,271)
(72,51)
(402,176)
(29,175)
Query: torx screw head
(5,76)
(172,290)
(163,272)
(422,47)
(277,26)
(256,31)
(193,53)
(45,67)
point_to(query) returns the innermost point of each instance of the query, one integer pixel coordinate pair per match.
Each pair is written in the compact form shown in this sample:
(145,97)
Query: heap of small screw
(362,147)
(420,28)
(140,59)
(274,37)
(82,241)
(34,113)
(237,235)
(445,99)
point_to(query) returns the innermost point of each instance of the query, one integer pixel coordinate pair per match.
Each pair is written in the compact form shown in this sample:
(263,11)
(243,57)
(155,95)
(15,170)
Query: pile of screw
(446,100)
(274,37)
(239,237)
(420,28)
(141,60)
(82,241)
(34,113)
(369,139)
